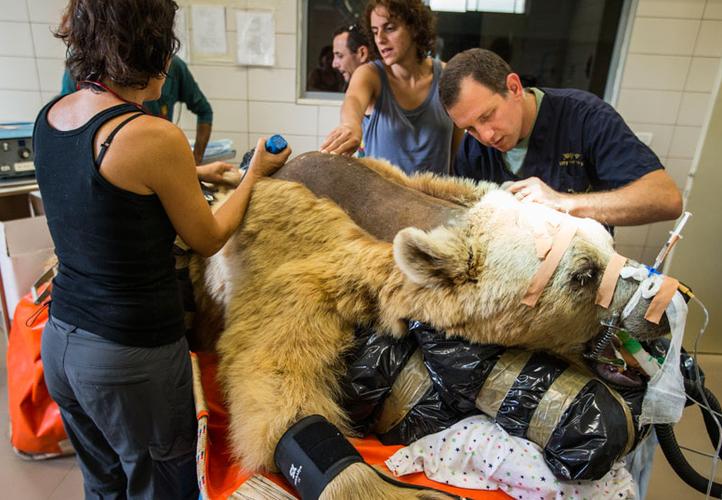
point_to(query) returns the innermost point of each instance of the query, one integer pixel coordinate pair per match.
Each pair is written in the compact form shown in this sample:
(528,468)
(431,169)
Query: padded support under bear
(311,453)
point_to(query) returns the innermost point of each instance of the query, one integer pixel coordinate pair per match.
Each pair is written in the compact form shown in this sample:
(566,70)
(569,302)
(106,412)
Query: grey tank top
(417,140)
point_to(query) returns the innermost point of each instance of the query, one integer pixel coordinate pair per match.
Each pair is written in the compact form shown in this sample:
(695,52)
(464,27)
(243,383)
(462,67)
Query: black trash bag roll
(428,416)
(372,367)
(582,425)
(457,368)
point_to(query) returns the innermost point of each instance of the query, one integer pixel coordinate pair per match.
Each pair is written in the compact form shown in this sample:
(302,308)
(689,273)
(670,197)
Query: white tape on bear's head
(649,284)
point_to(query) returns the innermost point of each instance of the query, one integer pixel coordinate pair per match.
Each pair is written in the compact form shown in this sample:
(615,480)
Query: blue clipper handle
(275,144)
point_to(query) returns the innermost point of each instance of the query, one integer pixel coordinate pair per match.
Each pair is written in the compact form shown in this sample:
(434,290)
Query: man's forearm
(652,198)
(203,135)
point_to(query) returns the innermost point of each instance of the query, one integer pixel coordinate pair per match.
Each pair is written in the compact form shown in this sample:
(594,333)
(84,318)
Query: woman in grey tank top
(393,102)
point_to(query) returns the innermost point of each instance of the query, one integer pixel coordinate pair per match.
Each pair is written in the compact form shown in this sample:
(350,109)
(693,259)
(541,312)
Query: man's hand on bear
(535,190)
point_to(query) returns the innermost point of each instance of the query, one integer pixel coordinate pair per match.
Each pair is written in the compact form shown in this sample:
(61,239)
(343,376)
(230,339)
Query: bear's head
(471,276)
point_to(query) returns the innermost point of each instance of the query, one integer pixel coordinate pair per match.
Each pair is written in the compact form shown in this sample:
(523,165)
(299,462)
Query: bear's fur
(300,274)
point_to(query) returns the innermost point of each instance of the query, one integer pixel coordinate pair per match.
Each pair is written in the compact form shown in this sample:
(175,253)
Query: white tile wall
(713,10)
(12,10)
(669,73)
(649,106)
(651,35)
(222,82)
(51,74)
(678,169)
(694,108)
(229,116)
(19,105)
(277,117)
(684,142)
(15,40)
(655,72)
(661,135)
(702,74)
(328,118)
(23,74)
(285,51)
(272,84)
(46,45)
(45,11)
(709,41)
(681,9)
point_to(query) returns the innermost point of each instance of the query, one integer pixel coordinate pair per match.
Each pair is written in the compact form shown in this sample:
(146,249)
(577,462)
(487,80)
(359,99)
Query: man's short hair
(484,66)
(356,36)
(417,17)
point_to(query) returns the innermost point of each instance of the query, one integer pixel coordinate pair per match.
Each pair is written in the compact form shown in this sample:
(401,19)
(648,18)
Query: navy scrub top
(579,143)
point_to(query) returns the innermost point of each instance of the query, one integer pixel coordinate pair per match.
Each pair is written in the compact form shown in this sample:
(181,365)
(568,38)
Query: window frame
(611,90)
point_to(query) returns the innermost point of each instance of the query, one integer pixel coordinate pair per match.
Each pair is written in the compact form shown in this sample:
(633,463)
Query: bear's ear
(585,273)
(439,257)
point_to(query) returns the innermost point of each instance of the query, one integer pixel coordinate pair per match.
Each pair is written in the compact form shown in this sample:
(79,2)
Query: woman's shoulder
(151,138)
(154,129)
(366,77)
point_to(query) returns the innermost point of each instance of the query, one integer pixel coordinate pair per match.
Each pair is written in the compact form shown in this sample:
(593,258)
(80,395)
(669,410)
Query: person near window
(179,86)
(564,148)
(118,184)
(324,77)
(350,50)
(392,102)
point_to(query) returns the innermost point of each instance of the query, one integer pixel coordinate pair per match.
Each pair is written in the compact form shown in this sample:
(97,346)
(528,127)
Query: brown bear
(301,272)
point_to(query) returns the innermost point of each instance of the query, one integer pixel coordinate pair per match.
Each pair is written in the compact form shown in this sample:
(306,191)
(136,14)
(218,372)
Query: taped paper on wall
(256,37)
(209,29)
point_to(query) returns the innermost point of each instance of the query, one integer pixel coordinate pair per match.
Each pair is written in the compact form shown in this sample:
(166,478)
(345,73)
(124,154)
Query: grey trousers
(128,412)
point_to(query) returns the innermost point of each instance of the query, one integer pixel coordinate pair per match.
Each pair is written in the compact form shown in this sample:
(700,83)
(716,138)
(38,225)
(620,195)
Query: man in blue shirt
(179,86)
(564,148)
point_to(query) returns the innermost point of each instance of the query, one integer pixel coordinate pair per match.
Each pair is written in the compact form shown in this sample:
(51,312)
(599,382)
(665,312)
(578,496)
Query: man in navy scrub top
(564,148)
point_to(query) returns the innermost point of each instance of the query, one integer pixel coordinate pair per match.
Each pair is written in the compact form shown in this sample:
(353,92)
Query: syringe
(674,236)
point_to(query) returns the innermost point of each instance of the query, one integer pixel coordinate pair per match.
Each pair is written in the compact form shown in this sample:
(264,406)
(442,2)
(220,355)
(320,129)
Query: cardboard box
(25,249)
(36,203)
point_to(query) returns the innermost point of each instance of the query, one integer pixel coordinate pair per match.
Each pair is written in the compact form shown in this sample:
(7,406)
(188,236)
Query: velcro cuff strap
(311,453)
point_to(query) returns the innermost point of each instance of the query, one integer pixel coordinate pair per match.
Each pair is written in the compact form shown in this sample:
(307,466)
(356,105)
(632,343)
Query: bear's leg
(271,386)
(360,482)
(319,462)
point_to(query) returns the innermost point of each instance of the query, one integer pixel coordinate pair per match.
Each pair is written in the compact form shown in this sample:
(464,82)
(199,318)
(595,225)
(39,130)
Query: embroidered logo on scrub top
(571,160)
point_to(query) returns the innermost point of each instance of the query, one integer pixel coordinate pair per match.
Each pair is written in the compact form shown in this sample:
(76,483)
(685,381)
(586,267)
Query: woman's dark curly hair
(125,41)
(414,14)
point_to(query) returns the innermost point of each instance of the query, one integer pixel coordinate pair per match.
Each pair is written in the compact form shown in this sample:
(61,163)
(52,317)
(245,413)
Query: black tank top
(116,274)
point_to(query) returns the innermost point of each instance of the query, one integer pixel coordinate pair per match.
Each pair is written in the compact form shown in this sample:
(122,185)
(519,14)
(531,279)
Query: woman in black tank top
(118,185)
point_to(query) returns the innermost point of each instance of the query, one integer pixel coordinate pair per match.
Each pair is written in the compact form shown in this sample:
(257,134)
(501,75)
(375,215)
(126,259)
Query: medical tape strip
(605,293)
(542,241)
(554,404)
(631,431)
(500,380)
(562,240)
(531,385)
(661,300)
(406,391)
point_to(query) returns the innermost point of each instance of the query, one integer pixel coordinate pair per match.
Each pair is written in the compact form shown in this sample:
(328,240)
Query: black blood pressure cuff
(311,453)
